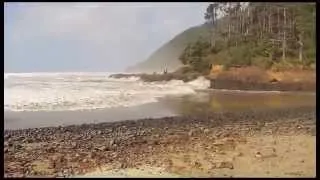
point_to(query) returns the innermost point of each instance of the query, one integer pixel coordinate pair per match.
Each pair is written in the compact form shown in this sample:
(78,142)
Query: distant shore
(158,77)
(170,143)
(250,78)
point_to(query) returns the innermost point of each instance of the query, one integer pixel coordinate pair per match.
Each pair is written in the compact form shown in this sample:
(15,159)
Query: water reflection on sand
(216,101)
(201,102)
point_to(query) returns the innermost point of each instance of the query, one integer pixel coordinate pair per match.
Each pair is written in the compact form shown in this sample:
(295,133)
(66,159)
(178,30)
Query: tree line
(275,31)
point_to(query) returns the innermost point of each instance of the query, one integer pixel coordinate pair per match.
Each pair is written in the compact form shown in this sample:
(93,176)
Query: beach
(178,90)
(273,143)
(89,125)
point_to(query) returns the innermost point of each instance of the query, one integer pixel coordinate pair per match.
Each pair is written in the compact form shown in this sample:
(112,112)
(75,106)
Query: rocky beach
(177,90)
(272,143)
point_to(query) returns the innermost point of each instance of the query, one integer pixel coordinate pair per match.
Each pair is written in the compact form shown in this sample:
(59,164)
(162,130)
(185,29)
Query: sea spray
(85,91)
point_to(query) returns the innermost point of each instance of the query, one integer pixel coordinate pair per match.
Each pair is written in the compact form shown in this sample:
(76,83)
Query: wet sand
(22,120)
(205,101)
(213,133)
(273,143)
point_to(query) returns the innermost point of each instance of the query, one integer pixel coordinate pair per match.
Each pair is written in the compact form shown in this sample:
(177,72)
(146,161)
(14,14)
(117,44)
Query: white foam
(85,91)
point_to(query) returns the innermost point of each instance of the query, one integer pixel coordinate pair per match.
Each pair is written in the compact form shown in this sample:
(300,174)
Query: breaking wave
(86,91)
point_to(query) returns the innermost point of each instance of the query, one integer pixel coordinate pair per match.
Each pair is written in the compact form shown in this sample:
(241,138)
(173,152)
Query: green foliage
(255,49)
(173,53)
(240,56)
(262,62)
(195,54)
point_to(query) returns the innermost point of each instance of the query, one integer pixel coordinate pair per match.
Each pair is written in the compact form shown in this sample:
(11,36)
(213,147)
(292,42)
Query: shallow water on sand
(201,102)
(229,100)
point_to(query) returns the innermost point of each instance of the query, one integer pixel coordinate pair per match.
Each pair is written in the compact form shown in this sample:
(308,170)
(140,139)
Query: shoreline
(203,101)
(37,119)
(229,83)
(177,118)
(262,86)
(80,149)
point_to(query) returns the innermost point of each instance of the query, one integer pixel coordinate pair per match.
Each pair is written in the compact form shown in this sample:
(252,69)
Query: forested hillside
(268,35)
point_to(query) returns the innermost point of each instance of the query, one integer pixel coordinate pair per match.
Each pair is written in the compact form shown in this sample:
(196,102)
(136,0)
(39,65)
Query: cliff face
(167,56)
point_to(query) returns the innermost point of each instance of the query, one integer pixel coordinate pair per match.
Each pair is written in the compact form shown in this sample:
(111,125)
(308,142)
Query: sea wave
(86,91)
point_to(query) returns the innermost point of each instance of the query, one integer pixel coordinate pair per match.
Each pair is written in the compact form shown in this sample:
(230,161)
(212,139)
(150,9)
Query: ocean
(86,91)
(33,100)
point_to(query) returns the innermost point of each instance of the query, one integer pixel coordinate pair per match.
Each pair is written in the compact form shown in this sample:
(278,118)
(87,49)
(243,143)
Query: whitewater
(87,91)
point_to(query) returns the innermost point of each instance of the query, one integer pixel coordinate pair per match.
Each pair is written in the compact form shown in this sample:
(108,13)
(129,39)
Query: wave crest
(85,91)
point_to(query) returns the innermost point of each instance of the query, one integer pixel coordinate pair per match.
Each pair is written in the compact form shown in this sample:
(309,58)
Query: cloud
(123,32)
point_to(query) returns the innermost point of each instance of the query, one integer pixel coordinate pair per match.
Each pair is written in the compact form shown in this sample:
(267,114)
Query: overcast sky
(90,36)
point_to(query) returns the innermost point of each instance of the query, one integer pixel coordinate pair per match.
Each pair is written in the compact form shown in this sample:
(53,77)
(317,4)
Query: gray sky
(90,36)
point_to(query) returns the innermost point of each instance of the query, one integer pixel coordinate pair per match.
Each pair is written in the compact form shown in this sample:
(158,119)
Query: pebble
(61,142)
(258,155)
